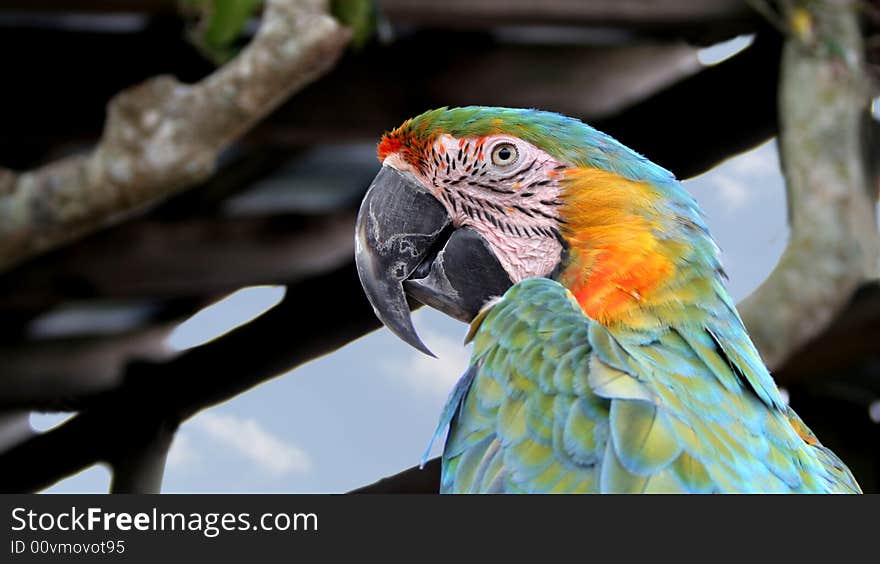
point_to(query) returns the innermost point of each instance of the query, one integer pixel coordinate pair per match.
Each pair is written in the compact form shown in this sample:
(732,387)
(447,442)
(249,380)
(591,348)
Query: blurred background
(179,309)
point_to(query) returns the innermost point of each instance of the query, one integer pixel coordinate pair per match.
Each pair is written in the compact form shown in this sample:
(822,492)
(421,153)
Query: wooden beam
(72,374)
(649,94)
(623,13)
(471,68)
(391,81)
(91,6)
(467,12)
(315,318)
(192,257)
(679,126)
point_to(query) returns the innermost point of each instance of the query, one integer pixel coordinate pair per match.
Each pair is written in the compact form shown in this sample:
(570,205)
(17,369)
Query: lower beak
(405,245)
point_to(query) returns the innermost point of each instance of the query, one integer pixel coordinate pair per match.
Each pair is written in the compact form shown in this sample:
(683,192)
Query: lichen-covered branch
(824,100)
(163,136)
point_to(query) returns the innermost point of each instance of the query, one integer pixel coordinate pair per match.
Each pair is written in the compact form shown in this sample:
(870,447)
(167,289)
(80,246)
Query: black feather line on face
(523,211)
(518,173)
(497,208)
(548,216)
(482,208)
(493,189)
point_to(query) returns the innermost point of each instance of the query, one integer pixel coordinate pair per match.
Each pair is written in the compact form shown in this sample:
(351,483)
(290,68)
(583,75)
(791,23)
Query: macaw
(607,354)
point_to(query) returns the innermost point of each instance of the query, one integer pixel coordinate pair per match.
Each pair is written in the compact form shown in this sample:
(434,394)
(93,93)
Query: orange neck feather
(617,257)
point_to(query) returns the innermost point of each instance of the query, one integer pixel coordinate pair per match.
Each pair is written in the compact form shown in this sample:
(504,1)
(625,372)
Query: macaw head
(472,200)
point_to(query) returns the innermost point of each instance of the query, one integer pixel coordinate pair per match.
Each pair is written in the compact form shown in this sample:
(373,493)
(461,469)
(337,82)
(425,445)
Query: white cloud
(739,180)
(434,376)
(249,439)
(732,191)
(762,160)
(183,452)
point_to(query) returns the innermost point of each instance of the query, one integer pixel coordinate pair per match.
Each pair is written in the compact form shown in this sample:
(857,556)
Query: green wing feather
(556,403)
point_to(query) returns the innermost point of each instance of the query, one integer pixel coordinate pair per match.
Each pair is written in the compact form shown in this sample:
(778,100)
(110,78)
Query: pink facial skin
(505,189)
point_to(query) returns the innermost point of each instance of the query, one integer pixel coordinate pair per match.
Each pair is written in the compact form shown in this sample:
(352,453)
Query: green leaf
(219,25)
(361,16)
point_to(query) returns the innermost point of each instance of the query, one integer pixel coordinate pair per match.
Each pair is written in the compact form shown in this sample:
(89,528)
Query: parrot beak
(405,244)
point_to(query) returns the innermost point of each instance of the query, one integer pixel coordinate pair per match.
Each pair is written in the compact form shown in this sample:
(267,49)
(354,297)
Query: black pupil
(504,153)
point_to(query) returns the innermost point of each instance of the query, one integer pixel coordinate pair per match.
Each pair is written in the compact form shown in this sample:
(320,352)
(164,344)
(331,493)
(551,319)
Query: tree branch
(834,243)
(189,257)
(163,136)
(708,16)
(677,129)
(845,349)
(190,260)
(71,374)
(674,125)
(413,480)
(140,468)
(15,427)
(161,395)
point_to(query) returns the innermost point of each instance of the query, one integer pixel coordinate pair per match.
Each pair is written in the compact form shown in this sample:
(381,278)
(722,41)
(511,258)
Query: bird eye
(504,154)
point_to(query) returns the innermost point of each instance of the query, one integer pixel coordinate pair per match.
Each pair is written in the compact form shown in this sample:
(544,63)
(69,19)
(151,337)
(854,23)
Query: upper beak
(405,244)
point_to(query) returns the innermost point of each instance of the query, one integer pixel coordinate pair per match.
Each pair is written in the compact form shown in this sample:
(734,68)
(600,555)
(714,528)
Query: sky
(369,409)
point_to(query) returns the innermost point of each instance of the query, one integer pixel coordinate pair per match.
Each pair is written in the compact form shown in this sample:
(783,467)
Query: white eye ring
(504,154)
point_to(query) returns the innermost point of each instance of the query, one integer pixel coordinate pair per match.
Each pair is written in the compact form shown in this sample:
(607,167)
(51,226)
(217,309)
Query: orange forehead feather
(389,144)
(410,141)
